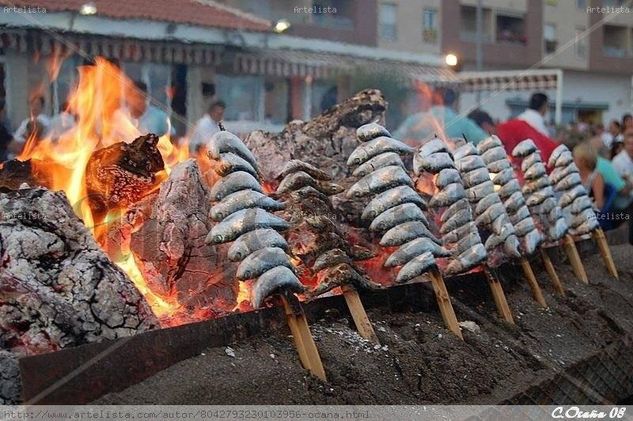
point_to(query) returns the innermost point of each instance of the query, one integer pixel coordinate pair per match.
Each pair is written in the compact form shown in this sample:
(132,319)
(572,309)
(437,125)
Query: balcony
(511,29)
(614,42)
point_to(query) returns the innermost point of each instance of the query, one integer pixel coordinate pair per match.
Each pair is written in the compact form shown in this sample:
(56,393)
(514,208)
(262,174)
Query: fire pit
(107,233)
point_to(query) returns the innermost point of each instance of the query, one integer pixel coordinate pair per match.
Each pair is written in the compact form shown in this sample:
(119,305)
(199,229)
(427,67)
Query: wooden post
(574,259)
(356,309)
(601,240)
(304,342)
(499,297)
(549,267)
(444,303)
(534,286)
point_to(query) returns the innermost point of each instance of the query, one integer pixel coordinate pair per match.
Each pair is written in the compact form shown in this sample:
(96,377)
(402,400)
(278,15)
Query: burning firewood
(576,205)
(57,288)
(325,141)
(121,174)
(171,253)
(540,199)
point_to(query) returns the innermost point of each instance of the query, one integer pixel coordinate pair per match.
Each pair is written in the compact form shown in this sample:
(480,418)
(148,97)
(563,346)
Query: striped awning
(287,63)
(47,44)
(519,80)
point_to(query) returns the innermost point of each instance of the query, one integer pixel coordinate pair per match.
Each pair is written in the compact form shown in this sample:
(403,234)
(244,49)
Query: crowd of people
(604,157)
(137,114)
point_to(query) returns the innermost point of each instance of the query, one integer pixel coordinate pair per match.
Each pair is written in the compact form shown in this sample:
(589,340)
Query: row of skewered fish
(509,191)
(242,212)
(576,205)
(539,192)
(490,213)
(314,237)
(395,208)
(458,230)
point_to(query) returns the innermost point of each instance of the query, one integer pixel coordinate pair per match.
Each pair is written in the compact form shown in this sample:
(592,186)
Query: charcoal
(57,287)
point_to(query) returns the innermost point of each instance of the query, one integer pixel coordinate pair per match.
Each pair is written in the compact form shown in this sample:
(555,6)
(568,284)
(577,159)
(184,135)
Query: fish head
(357,157)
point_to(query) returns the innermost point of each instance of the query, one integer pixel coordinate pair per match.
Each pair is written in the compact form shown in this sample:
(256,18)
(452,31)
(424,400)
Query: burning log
(121,174)
(14,174)
(576,204)
(538,189)
(396,212)
(451,205)
(324,253)
(9,379)
(325,141)
(170,247)
(57,288)
(243,217)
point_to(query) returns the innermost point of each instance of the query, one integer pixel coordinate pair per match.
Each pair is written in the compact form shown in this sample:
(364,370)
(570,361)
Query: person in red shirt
(513,132)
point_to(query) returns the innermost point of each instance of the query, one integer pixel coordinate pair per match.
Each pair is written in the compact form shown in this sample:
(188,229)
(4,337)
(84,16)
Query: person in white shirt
(623,162)
(534,115)
(36,112)
(612,135)
(138,117)
(207,126)
(62,122)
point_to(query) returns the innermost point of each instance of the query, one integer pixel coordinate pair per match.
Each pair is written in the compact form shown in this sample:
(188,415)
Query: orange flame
(97,100)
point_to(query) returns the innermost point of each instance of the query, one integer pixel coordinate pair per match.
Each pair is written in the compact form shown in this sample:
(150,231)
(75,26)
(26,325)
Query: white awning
(519,80)
(286,63)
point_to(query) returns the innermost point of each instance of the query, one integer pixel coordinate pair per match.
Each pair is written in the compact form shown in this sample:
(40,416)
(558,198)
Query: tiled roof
(193,12)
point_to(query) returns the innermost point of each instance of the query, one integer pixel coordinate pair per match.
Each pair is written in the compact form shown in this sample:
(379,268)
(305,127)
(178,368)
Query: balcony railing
(615,52)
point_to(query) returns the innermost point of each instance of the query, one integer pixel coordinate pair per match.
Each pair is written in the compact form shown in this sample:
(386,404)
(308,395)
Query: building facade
(590,40)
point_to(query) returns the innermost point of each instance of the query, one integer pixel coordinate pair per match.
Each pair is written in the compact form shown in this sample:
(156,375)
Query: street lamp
(451,59)
(282,25)
(88,9)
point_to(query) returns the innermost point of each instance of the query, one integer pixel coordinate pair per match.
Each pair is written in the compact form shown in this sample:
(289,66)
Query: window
(429,25)
(580,42)
(581,4)
(243,96)
(511,29)
(387,22)
(614,40)
(549,36)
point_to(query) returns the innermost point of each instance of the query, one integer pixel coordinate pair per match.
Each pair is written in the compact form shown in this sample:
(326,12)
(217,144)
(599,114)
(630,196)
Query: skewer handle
(534,286)
(499,297)
(549,267)
(574,259)
(444,303)
(304,342)
(605,252)
(357,310)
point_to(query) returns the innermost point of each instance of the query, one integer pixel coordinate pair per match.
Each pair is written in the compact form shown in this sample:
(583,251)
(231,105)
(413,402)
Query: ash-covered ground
(419,362)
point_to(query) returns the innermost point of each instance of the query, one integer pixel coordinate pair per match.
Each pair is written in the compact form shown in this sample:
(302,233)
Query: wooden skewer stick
(499,297)
(304,342)
(605,252)
(534,286)
(444,303)
(574,259)
(357,310)
(549,267)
